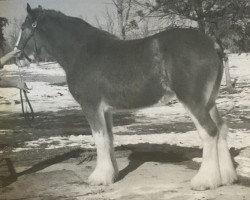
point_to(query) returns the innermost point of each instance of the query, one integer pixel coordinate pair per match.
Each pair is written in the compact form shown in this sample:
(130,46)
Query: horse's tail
(215,91)
(219,49)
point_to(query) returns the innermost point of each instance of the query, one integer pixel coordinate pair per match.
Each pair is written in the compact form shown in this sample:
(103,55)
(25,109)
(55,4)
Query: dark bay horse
(105,74)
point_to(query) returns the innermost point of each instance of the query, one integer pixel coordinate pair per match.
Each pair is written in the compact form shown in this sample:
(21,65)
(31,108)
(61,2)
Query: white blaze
(18,40)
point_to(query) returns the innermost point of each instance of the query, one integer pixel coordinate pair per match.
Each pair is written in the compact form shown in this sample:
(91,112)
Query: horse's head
(30,27)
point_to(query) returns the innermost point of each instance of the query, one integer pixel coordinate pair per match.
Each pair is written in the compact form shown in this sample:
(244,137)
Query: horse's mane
(59,15)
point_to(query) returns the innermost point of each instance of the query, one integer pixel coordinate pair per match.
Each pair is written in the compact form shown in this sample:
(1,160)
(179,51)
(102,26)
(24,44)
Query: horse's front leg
(106,170)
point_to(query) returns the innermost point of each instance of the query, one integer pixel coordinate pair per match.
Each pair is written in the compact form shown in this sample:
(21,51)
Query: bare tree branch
(127,13)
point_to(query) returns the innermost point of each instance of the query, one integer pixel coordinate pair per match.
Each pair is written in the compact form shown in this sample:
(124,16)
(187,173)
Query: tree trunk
(197,4)
(120,15)
(202,25)
(224,57)
(227,73)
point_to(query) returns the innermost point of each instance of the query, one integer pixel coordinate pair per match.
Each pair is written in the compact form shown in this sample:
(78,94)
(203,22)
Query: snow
(237,139)
(49,68)
(242,61)
(21,149)
(121,129)
(42,97)
(154,114)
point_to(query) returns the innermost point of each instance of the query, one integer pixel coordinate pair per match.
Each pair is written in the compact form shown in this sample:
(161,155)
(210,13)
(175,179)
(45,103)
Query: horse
(106,74)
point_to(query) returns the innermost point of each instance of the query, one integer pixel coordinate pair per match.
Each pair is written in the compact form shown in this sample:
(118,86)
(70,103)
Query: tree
(108,23)
(224,20)
(3,23)
(124,22)
(123,8)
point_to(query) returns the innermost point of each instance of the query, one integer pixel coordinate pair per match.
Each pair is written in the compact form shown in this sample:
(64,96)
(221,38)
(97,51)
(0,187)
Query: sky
(87,9)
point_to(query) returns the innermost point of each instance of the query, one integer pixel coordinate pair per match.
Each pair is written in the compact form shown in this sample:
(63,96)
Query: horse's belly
(143,103)
(135,96)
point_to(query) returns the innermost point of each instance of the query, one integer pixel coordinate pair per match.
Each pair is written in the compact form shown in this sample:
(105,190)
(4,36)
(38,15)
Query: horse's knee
(204,122)
(211,128)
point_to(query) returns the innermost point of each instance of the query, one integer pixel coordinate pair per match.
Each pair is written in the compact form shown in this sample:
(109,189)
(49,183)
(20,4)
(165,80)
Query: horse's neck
(64,44)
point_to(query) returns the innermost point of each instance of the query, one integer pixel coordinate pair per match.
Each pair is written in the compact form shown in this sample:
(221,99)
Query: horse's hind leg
(106,170)
(208,176)
(228,174)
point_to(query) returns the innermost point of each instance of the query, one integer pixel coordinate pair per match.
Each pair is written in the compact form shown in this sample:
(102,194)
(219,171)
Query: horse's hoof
(228,177)
(205,182)
(101,177)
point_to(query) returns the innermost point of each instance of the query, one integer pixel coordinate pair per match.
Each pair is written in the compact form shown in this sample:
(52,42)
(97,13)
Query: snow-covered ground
(239,139)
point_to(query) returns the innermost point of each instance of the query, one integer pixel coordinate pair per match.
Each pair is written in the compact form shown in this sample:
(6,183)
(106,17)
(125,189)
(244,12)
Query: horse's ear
(29,10)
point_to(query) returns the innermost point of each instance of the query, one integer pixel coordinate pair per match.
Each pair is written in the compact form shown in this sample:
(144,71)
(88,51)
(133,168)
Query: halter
(34,25)
(29,116)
